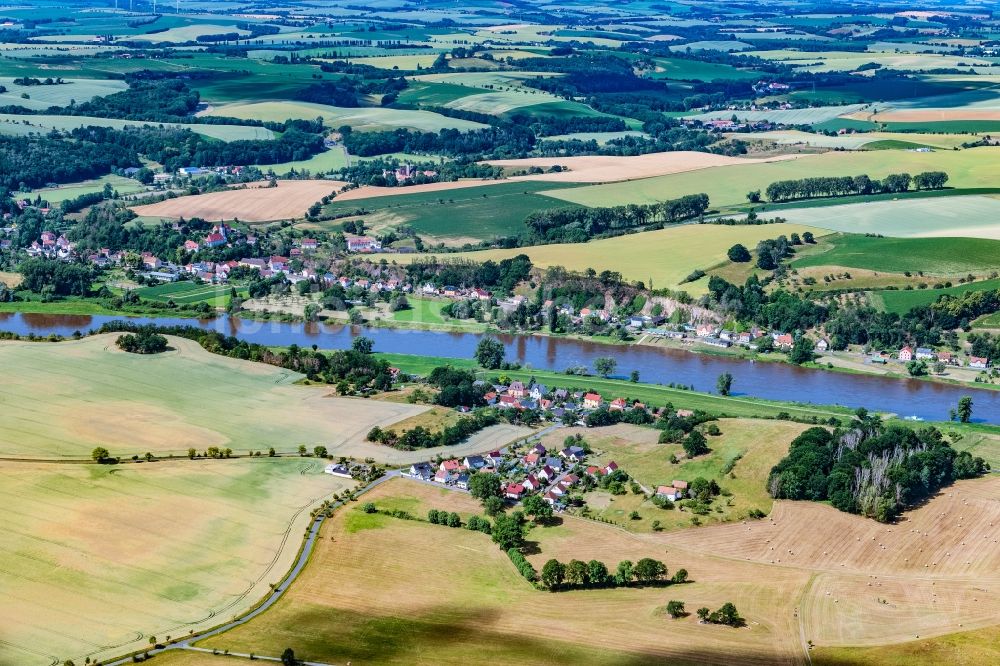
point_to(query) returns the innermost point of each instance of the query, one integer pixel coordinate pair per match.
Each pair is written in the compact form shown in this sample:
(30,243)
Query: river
(776,381)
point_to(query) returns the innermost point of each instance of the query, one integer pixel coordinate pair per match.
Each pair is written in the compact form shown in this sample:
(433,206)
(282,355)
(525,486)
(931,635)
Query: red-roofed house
(906,354)
(619,404)
(591,401)
(610,467)
(514,491)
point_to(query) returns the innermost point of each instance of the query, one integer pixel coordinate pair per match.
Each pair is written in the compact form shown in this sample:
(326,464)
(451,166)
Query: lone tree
(964,410)
(695,444)
(605,366)
(508,530)
(100,454)
(490,353)
(288,658)
(802,350)
(675,608)
(739,253)
(724,383)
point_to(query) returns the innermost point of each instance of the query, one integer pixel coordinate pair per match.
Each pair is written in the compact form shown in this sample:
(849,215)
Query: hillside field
(368,118)
(972,216)
(933,256)
(728,185)
(358,601)
(167,547)
(290,199)
(904,300)
(660,258)
(61,400)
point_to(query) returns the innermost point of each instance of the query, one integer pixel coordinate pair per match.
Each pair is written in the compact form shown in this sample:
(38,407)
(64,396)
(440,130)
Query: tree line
(420,437)
(578,225)
(840,186)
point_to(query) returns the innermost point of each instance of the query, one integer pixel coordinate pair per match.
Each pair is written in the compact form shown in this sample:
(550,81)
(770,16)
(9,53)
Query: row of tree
(420,437)
(580,224)
(839,186)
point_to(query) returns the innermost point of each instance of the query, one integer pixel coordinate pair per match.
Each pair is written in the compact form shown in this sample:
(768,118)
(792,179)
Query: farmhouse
(363,244)
(591,401)
(338,470)
(979,362)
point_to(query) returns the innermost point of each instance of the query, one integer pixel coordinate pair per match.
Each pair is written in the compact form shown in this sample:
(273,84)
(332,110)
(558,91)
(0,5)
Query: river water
(776,381)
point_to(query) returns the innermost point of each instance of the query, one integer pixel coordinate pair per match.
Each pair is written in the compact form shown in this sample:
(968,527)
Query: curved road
(286,582)
(272,598)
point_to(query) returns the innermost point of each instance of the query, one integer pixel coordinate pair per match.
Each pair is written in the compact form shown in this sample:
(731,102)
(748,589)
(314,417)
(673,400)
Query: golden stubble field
(96,559)
(831,578)
(60,400)
(612,168)
(289,200)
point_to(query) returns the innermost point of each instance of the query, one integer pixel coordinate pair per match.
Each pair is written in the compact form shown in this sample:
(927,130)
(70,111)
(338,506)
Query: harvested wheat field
(612,168)
(359,601)
(834,579)
(930,115)
(97,559)
(290,199)
(60,400)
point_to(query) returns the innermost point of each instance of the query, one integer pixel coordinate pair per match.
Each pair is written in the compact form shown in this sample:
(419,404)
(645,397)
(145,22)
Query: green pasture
(904,300)
(696,70)
(366,118)
(18,125)
(422,311)
(728,185)
(186,293)
(43,97)
(974,216)
(933,256)
(479,212)
(122,185)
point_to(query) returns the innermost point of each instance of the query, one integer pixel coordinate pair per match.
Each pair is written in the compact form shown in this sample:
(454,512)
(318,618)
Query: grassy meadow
(459,215)
(932,256)
(361,119)
(750,446)
(167,547)
(904,300)
(359,601)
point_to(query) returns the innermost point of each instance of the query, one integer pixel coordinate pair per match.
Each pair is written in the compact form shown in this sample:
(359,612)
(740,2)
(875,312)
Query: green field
(653,395)
(368,118)
(472,213)
(728,185)
(42,124)
(422,311)
(42,97)
(122,185)
(970,216)
(934,256)
(694,70)
(186,293)
(904,300)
